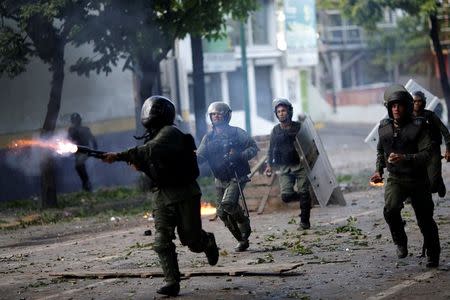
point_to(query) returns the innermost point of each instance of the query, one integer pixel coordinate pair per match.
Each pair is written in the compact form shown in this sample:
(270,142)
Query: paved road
(358,262)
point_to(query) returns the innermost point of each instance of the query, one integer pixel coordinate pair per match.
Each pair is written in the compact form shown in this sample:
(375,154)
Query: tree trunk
(145,79)
(48,185)
(199,87)
(434,34)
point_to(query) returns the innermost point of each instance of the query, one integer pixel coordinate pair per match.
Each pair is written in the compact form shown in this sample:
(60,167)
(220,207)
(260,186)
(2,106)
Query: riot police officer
(168,158)
(404,148)
(283,155)
(437,130)
(81,135)
(228,149)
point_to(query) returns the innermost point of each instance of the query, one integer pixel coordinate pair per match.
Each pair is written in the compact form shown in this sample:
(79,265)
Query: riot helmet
(75,119)
(219,108)
(284,102)
(422,97)
(157,111)
(398,94)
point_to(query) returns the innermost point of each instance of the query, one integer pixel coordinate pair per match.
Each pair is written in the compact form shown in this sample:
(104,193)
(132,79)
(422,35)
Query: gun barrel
(90,152)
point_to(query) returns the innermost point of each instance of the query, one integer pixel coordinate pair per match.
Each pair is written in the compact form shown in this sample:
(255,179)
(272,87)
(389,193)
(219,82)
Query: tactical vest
(217,148)
(401,140)
(283,149)
(175,164)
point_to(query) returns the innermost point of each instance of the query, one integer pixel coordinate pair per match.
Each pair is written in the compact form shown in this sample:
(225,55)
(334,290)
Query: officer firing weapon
(90,152)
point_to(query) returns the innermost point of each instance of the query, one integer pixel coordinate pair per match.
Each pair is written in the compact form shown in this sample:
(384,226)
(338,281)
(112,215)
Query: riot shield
(320,173)
(433,104)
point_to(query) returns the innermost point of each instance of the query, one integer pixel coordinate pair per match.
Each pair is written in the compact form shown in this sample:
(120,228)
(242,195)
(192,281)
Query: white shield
(320,173)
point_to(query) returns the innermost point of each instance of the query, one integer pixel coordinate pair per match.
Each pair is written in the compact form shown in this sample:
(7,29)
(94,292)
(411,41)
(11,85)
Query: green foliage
(142,32)
(407,44)
(102,203)
(350,227)
(296,247)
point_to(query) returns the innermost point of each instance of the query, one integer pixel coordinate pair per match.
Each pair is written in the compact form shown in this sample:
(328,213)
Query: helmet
(284,102)
(157,111)
(75,119)
(221,108)
(395,94)
(392,89)
(422,96)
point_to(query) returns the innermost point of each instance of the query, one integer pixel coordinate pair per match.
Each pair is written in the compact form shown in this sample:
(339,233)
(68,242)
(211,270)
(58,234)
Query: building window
(236,89)
(264,94)
(256,29)
(259,24)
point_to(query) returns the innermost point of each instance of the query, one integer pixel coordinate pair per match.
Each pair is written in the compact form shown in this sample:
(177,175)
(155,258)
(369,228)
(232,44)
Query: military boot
(433,261)
(245,229)
(242,246)
(402,251)
(169,265)
(211,251)
(170,289)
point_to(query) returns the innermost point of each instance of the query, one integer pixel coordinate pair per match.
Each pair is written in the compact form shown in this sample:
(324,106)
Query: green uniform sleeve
(270,151)
(381,159)
(249,145)
(202,153)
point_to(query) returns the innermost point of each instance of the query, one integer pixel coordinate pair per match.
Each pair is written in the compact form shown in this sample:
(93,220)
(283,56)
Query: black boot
(433,261)
(211,251)
(402,251)
(170,289)
(242,246)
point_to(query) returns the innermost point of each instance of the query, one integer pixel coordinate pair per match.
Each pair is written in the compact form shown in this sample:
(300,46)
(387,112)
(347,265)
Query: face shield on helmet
(283,102)
(219,113)
(157,111)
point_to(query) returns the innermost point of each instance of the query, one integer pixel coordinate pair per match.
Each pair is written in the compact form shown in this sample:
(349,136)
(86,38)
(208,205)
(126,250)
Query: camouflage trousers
(229,210)
(295,175)
(185,218)
(396,192)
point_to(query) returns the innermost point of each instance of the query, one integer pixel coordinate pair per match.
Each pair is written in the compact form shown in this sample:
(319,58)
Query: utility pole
(248,123)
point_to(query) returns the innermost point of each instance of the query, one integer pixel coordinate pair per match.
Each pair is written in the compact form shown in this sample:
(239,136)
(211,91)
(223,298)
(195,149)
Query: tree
(367,13)
(142,32)
(40,29)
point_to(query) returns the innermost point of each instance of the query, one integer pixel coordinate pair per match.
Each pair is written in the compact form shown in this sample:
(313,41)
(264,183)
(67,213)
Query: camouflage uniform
(283,155)
(408,178)
(214,149)
(165,159)
(82,135)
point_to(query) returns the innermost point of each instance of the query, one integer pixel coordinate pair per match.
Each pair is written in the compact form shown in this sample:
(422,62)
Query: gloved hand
(233,156)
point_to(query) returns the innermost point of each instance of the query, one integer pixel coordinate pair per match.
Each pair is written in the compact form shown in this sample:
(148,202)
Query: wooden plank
(263,203)
(253,270)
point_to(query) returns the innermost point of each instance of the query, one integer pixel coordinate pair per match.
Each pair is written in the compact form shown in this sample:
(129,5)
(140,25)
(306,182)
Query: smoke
(28,160)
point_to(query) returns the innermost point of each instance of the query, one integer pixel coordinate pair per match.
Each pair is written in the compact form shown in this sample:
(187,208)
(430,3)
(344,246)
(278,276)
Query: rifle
(238,181)
(244,203)
(90,152)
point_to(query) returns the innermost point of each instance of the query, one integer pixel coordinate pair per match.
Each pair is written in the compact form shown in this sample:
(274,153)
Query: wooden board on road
(251,270)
